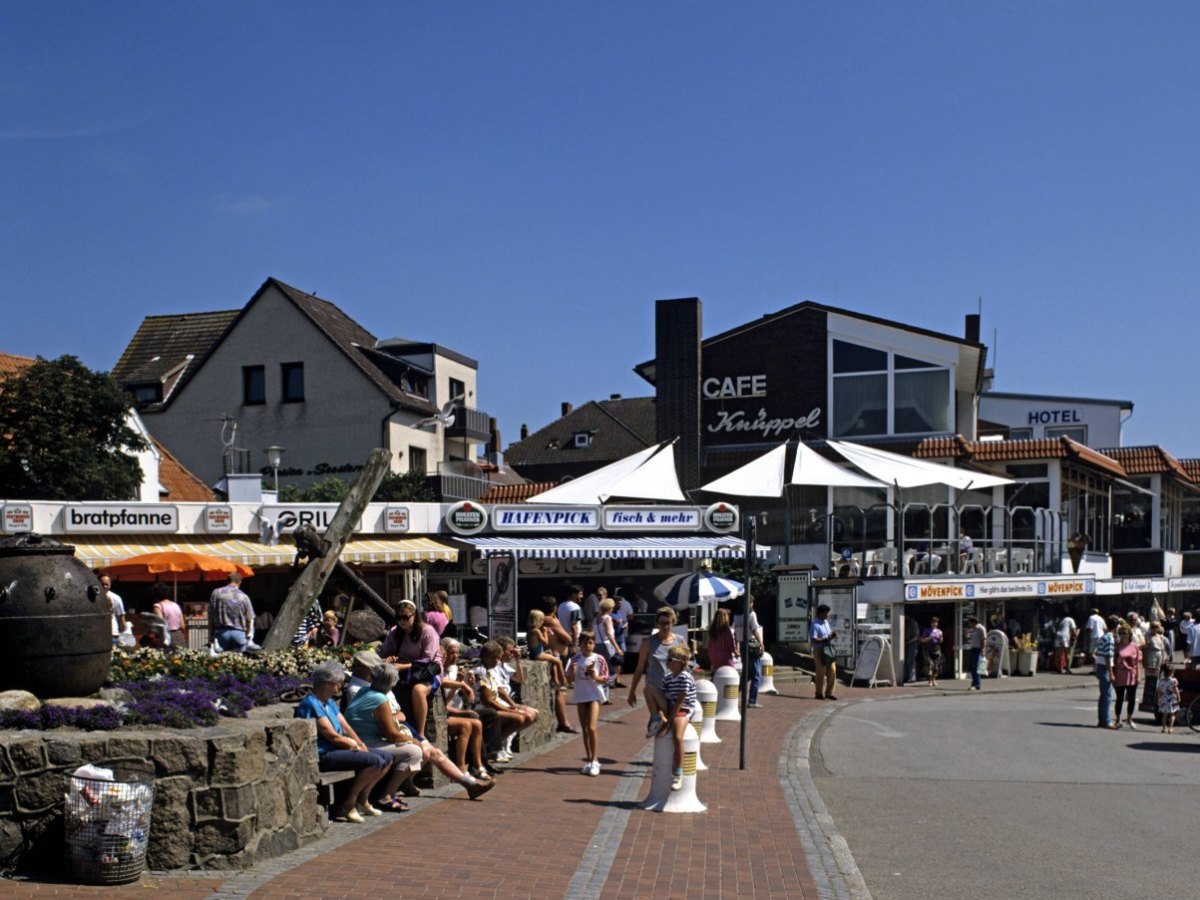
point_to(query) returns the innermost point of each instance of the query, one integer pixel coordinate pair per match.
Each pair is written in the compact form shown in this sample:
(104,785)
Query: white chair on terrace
(1022,559)
(974,563)
(881,562)
(1000,560)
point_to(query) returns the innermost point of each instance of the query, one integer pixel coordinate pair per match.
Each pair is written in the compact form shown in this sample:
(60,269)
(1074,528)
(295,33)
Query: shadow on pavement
(1167,746)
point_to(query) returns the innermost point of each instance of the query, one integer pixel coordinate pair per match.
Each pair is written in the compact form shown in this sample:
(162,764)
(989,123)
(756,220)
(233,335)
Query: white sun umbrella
(696,589)
(906,472)
(622,478)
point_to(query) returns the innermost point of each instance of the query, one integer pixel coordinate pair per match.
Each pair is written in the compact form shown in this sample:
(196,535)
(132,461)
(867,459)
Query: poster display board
(874,664)
(502,597)
(793,609)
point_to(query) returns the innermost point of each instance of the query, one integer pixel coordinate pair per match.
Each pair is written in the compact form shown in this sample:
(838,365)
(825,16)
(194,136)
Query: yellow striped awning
(99,551)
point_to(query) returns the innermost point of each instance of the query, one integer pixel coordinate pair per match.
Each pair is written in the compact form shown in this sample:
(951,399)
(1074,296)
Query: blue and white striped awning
(614,547)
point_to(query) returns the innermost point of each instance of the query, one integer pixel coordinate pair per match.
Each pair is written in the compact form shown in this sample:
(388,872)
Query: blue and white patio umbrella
(697,588)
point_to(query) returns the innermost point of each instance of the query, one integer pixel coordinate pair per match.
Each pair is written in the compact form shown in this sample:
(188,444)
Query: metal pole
(751,537)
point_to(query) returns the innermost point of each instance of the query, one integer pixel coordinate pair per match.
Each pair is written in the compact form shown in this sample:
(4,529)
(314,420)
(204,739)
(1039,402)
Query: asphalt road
(1009,795)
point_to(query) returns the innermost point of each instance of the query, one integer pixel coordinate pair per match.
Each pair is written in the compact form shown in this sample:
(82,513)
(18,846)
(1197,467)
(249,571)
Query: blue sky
(520,181)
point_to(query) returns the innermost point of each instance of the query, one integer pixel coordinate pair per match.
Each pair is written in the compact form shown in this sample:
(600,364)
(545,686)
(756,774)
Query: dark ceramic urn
(55,626)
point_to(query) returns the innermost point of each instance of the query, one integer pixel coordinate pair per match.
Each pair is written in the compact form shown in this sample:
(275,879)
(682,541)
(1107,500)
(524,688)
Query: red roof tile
(1044,448)
(1192,467)
(11,364)
(1148,461)
(514,493)
(180,484)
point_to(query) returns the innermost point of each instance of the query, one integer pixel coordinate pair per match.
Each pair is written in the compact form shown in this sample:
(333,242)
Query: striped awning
(614,547)
(98,551)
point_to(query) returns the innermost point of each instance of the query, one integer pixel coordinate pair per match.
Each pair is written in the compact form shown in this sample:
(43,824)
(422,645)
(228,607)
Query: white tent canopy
(906,472)
(646,475)
(763,477)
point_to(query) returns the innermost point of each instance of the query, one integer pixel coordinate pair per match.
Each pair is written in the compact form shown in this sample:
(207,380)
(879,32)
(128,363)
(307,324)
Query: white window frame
(892,352)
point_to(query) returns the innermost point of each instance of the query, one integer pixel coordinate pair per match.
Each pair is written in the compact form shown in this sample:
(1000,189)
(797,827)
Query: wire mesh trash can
(107,822)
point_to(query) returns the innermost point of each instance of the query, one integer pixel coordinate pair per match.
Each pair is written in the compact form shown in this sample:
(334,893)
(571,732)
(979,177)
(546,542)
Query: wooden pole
(312,580)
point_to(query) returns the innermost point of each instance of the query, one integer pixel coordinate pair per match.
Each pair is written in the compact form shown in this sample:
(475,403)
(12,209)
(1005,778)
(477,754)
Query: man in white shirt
(1095,631)
(1064,643)
(116,605)
(570,614)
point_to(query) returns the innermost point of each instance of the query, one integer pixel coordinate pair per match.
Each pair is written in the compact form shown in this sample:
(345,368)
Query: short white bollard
(767,685)
(728,680)
(697,724)
(661,798)
(706,696)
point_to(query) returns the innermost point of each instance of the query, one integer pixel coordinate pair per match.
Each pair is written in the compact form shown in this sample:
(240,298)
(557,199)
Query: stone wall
(225,797)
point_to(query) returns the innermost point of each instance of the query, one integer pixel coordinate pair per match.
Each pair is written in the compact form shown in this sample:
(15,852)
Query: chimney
(524,431)
(972,334)
(566,409)
(677,334)
(614,396)
(494,441)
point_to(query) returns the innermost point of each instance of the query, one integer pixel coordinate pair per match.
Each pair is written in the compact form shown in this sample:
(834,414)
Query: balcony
(457,481)
(469,424)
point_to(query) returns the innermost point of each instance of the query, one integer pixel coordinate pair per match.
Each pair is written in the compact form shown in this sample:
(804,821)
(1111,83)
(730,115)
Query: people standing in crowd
(339,746)
(754,662)
(622,615)
(116,607)
(231,617)
(931,645)
(606,638)
(570,614)
(541,639)
(1171,629)
(1105,652)
(415,650)
(168,610)
(1095,630)
(435,614)
(1189,628)
(1155,654)
(1167,694)
(588,674)
(821,636)
(679,689)
(1064,643)
(976,639)
(1127,665)
(722,648)
(1139,628)
(652,663)
(912,646)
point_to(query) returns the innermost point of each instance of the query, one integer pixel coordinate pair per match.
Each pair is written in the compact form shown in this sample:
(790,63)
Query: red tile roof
(1045,448)
(514,493)
(1148,461)
(11,364)
(1192,467)
(180,484)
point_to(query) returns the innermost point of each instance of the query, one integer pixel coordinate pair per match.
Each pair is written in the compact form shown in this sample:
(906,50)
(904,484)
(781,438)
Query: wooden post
(312,580)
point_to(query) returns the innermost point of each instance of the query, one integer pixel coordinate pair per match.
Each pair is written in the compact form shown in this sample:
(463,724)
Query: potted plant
(1025,650)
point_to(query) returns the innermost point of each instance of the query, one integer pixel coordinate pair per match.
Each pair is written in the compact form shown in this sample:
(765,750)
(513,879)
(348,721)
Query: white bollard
(767,685)
(727,679)
(685,800)
(697,721)
(660,773)
(706,696)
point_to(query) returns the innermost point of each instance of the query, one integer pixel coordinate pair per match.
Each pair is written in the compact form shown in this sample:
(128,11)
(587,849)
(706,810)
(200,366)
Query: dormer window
(583,439)
(147,393)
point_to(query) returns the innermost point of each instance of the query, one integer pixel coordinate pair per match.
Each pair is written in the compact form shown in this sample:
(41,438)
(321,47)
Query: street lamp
(274,458)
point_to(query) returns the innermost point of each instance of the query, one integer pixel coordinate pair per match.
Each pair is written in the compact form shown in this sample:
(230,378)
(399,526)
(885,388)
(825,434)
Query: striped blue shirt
(683,683)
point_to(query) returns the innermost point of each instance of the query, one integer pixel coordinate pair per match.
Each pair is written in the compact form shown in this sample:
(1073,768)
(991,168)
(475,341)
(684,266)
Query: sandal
(393,805)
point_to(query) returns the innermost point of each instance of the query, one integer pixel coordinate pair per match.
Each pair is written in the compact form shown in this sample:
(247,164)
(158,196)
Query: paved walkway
(548,831)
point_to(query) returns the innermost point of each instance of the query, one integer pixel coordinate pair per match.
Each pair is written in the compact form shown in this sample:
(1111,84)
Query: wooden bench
(326,784)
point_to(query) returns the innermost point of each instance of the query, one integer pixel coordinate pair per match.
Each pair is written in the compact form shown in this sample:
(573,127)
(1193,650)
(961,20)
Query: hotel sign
(113,518)
(997,589)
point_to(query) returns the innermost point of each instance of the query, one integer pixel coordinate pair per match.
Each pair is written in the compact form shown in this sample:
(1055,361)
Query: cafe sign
(120,518)
(652,518)
(997,589)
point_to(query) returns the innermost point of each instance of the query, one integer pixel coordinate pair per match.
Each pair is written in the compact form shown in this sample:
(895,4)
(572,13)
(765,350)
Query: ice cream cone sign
(1076,545)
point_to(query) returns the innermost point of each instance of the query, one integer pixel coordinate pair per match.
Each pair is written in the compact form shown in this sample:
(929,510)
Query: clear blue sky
(521,181)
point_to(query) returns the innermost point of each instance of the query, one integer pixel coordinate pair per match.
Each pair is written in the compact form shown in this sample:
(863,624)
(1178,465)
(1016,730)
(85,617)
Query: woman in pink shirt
(414,648)
(722,649)
(434,614)
(1126,665)
(168,610)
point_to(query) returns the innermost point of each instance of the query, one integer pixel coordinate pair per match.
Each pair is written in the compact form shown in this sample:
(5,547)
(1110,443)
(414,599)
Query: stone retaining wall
(225,797)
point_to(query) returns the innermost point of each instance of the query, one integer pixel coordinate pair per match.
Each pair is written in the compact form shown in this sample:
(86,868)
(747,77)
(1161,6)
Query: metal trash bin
(107,821)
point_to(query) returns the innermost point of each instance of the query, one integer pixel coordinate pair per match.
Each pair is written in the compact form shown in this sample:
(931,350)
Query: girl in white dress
(588,674)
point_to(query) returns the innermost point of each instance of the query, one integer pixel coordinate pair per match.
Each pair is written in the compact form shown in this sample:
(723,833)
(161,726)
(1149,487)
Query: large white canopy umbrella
(646,475)
(763,477)
(906,472)
(697,588)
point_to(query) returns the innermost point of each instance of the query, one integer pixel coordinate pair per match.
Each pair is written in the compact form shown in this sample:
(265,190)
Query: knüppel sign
(759,423)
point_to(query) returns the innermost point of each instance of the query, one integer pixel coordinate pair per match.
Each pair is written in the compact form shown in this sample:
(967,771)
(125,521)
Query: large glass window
(878,392)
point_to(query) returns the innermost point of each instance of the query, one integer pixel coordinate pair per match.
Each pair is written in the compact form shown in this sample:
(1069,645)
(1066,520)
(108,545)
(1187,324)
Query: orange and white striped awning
(99,551)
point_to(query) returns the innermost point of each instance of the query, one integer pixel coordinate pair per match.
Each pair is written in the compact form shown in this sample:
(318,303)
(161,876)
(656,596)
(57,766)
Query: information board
(793,609)
(874,664)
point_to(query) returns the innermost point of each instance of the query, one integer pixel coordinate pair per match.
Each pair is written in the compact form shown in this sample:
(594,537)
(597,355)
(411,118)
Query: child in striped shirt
(679,687)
